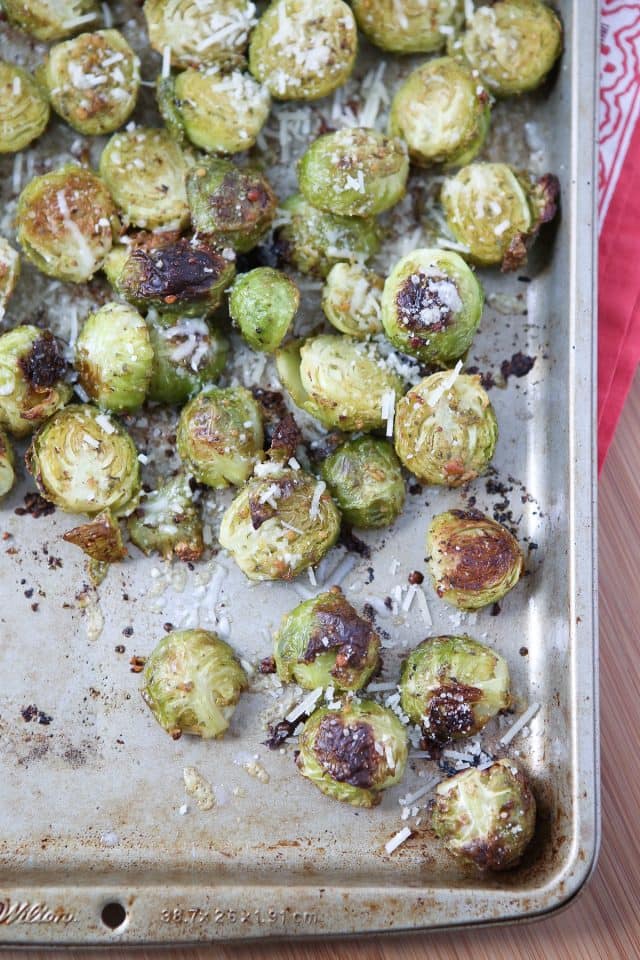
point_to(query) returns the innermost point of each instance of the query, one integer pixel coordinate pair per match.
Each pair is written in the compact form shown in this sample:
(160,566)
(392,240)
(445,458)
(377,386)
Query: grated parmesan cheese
(397,840)
(521,722)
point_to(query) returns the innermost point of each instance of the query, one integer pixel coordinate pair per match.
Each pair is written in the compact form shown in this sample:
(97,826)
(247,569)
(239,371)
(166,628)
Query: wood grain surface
(604,921)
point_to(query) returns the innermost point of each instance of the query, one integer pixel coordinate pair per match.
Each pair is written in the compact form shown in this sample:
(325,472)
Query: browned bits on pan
(36,506)
(267,665)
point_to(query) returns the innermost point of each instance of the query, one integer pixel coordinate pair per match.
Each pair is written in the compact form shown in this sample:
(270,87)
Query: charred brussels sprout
(49,20)
(32,385)
(9,273)
(486,817)
(232,205)
(279,525)
(220,436)
(114,357)
(355,753)
(264,303)
(355,172)
(453,686)
(100,539)
(351,300)
(192,683)
(446,430)
(442,113)
(408,26)
(365,478)
(167,521)
(84,462)
(431,306)
(324,643)
(66,221)
(24,110)
(200,32)
(7,465)
(92,81)
(188,354)
(302,51)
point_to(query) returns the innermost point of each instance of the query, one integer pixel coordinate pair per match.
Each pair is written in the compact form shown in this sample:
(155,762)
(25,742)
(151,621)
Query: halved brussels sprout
(408,26)
(192,683)
(145,170)
(486,817)
(442,112)
(51,19)
(355,172)
(188,354)
(340,381)
(355,753)
(264,303)
(114,357)
(7,465)
(84,462)
(365,477)
(280,524)
(9,273)
(200,32)
(431,306)
(324,643)
(445,429)
(513,44)
(351,300)
(168,521)
(453,686)
(92,81)
(473,560)
(233,206)
(303,51)
(66,223)
(32,371)
(100,539)
(220,436)
(24,110)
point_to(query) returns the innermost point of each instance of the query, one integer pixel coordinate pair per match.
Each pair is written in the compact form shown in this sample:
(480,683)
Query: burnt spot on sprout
(243,199)
(263,503)
(286,437)
(347,752)
(478,553)
(44,365)
(340,628)
(427,302)
(181,271)
(449,713)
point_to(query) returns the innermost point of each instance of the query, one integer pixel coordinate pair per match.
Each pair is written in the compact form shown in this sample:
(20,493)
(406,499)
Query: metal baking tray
(91,789)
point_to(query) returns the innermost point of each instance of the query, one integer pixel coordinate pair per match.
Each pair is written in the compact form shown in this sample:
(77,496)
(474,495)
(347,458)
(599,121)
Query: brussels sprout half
(47,20)
(9,273)
(233,206)
(24,110)
(365,478)
(351,300)
(408,26)
(264,303)
(7,465)
(32,385)
(167,521)
(200,32)
(188,354)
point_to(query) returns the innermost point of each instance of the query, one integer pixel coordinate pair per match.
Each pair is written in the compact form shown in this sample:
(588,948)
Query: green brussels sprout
(66,223)
(341,382)
(220,436)
(188,355)
(167,520)
(486,817)
(233,206)
(32,385)
(114,357)
(280,524)
(200,33)
(355,172)
(445,429)
(84,462)
(453,686)
(431,306)
(442,113)
(100,539)
(365,479)
(351,300)
(47,20)
(513,44)
(24,110)
(9,273)
(192,683)
(408,26)
(324,643)
(264,303)
(92,81)
(145,170)
(473,560)
(7,465)
(302,51)
(355,753)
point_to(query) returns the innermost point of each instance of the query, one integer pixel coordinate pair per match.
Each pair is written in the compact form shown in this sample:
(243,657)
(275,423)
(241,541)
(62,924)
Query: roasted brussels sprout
(341,382)
(7,465)
(264,303)
(355,172)
(220,436)
(473,560)
(145,170)
(100,539)
(408,26)
(351,300)
(442,113)
(92,81)
(32,385)
(365,479)
(355,753)
(445,429)
(200,32)
(192,683)
(188,354)
(431,306)
(168,521)
(233,206)
(9,273)
(486,817)
(513,44)
(279,525)
(114,357)
(47,20)
(302,51)
(66,222)
(324,643)
(453,686)
(24,110)
(84,462)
